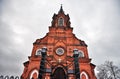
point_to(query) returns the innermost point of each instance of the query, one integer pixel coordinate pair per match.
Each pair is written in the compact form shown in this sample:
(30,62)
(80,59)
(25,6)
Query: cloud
(98,25)
(9,55)
(22,22)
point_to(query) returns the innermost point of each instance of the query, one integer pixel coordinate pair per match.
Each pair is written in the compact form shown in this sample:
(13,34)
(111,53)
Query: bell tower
(60,19)
(60,54)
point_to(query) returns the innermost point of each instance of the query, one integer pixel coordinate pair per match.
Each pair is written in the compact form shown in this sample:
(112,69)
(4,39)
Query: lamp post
(76,63)
(42,63)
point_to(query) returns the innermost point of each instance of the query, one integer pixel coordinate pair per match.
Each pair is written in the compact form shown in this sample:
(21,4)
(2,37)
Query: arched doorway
(59,73)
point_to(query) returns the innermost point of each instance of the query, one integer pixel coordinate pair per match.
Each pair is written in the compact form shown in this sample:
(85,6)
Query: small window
(84,75)
(81,54)
(34,74)
(38,52)
(60,22)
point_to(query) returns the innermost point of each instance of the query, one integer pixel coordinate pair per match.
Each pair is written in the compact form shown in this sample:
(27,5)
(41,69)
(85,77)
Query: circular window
(59,51)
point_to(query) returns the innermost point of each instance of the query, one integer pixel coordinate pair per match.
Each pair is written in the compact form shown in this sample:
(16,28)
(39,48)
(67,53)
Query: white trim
(34,71)
(37,52)
(84,73)
(80,51)
(59,51)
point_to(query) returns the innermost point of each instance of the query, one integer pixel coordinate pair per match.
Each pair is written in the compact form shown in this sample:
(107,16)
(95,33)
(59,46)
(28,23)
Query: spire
(61,9)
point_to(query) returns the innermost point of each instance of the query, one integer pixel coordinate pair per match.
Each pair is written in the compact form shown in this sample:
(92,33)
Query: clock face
(59,51)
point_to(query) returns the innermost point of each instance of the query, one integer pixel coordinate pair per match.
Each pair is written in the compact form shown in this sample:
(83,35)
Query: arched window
(60,22)
(81,53)
(38,52)
(34,74)
(84,75)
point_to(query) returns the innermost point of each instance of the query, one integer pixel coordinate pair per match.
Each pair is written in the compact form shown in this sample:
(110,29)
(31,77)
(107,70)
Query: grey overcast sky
(97,22)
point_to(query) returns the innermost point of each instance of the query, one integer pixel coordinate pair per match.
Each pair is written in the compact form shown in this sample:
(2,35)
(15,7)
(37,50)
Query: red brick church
(60,54)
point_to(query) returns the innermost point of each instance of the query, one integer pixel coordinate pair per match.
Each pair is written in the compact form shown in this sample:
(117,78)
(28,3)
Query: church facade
(60,54)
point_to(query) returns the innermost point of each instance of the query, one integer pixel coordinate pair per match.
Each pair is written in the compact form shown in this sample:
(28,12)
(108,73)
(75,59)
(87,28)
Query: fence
(9,77)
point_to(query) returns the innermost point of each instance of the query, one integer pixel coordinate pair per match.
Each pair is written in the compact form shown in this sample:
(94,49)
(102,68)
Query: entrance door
(59,73)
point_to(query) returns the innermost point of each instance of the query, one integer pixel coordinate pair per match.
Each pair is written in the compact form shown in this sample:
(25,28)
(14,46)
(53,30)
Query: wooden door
(59,73)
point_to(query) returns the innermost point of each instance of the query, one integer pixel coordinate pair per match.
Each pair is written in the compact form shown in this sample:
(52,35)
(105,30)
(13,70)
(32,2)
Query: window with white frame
(34,74)
(60,22)
(81,53)
(84,75)
(38,52)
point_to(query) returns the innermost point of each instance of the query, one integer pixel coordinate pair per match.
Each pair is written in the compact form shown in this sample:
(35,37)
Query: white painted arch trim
(84,73)
(82,53)
(38,52)
(34,71)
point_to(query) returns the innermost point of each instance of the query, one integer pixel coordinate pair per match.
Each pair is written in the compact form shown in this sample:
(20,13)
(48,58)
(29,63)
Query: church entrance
(59,73)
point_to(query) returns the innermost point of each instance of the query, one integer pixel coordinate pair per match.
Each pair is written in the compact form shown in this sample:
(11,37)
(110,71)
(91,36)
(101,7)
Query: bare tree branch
(108,71)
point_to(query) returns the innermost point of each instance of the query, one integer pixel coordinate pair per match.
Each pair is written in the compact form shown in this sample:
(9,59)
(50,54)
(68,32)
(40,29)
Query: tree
(17,77)
(12,77)
(1,77)
(6,77)
(108,71)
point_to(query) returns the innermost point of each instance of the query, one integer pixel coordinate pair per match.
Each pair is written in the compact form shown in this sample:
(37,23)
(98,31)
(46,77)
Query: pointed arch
(59,66)
(81,53)
(84,75)
(34,74)
(60,43)
(59,73)
(60,21)
(38,52)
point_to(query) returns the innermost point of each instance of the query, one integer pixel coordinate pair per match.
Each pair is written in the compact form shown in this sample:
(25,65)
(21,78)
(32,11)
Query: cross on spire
(61,9)
(61,4)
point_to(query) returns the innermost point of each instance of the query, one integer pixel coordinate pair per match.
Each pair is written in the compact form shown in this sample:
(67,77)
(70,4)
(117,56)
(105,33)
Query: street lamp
(76,63)
(42,62)
(75,52)
(44,50)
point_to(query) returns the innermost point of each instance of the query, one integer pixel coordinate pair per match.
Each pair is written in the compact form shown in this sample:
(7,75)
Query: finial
(61,9)
(61,5)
